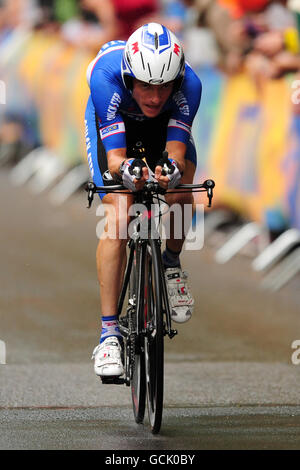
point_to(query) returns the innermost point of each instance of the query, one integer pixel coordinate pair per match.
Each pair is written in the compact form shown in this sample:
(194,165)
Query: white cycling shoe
(107,355)
(180,298)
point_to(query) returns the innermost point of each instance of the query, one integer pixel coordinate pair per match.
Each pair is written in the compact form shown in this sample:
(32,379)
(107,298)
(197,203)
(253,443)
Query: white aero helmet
(153,55)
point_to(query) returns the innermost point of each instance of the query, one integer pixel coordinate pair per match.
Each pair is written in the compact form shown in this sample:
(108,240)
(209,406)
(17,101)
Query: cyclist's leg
(111,255)
(111,251)
(111,259)
(182,198)
(181,300)
(111,263)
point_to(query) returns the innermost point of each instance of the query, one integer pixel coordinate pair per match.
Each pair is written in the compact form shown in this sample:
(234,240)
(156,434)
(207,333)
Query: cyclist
(142,91)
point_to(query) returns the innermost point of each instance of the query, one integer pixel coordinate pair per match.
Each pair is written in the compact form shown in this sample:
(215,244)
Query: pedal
(112,380)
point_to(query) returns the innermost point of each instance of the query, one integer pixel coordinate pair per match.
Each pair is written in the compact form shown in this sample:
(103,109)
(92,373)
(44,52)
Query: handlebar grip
(165,169)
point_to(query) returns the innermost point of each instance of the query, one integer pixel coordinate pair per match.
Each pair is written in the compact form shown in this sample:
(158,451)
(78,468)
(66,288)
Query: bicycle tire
(154,339)
(138,381)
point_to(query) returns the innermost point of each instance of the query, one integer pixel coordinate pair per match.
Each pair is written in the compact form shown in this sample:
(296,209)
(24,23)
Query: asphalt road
(229,382)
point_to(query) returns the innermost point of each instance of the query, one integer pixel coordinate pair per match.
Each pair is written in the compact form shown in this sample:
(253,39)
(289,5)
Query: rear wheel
(154,341)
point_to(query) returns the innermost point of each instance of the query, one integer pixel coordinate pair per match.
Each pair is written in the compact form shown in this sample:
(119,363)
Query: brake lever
(209,185)
(90,188)
(210,196)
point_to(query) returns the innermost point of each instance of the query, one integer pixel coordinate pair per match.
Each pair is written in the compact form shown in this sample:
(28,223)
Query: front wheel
(138,381)
(154,339)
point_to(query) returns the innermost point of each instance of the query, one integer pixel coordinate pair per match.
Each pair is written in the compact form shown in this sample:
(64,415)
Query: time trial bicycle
(143,308)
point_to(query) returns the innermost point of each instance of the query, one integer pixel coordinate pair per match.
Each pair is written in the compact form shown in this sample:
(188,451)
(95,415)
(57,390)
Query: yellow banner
(55,72)
(250,143)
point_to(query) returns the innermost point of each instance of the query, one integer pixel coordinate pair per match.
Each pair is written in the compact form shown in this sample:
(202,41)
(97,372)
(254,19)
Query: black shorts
(149,134)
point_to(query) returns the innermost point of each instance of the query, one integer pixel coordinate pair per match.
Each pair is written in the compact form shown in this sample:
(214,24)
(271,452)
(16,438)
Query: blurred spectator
(260,35)
(4,30)
(100,21)
(200,38)
(241,28)
(47,20)
(131,14)
(275,51)
(58,10)
(211,33)
(94,24)
(263,37)
(20,13)
(174,15)
(238,8)
(294,7)
(17,19)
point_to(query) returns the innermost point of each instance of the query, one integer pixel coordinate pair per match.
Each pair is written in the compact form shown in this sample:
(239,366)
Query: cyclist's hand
(173,176)
(135,174)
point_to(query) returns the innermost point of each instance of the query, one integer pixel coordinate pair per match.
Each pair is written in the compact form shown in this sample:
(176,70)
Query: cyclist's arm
(185,105)
(115,157)
(106,96)
(177,150)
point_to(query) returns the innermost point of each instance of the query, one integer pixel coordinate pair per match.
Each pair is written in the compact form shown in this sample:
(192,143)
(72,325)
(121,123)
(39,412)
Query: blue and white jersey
(112,100)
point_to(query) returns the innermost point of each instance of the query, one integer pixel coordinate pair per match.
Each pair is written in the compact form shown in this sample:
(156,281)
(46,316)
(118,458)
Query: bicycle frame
(139,243)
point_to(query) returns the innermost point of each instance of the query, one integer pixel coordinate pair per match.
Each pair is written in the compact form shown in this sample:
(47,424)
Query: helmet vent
(149,70)
(162,70)
(128,59)
(156,40)
(142,58)
(169,62)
